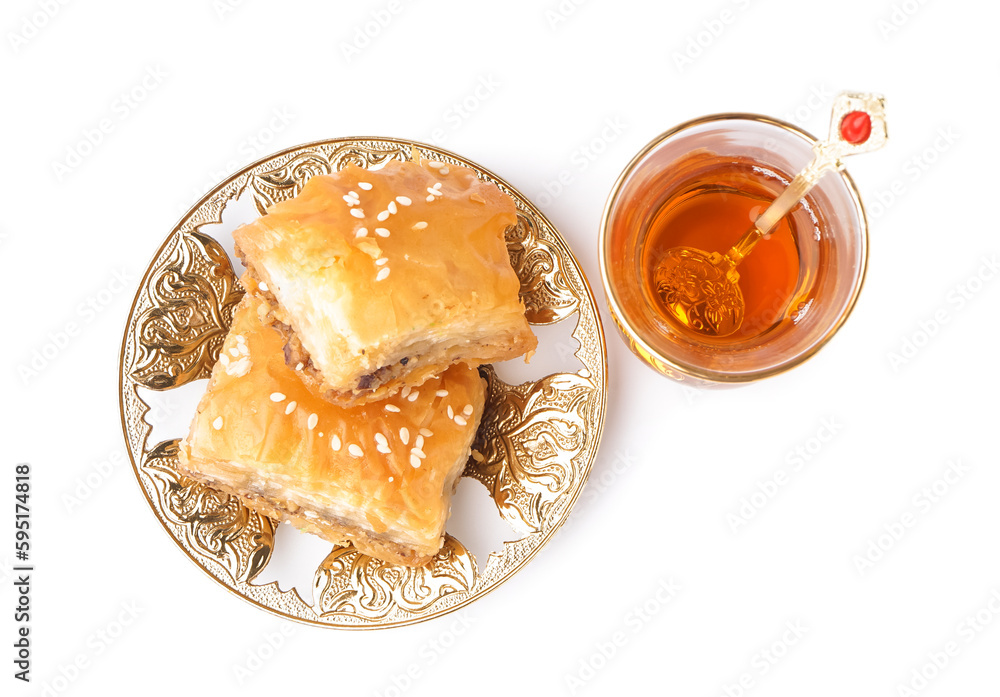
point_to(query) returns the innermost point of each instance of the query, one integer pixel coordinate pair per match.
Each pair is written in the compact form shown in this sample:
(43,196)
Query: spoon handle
(786,201)
(800,186)
(857,125)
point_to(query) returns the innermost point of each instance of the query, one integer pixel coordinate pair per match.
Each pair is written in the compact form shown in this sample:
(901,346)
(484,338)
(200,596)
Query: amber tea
(710,212)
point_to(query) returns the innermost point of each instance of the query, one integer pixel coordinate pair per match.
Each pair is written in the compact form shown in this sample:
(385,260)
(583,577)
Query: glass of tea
(701,185)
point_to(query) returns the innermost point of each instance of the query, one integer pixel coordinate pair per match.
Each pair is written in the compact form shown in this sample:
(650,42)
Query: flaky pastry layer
(378,475)
(381,279)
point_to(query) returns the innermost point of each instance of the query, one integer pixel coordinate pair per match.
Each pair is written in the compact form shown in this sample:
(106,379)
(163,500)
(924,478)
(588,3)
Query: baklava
(381,279)
(378,475)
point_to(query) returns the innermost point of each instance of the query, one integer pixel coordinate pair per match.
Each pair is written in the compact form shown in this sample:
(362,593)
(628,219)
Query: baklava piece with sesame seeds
(378,475)
(380,279)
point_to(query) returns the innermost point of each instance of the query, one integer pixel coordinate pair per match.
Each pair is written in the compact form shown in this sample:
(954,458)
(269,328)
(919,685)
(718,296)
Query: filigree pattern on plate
(545,291)
(285,182)
(526,449)
(533,451)
(193,295)
(215,524)
(352,584)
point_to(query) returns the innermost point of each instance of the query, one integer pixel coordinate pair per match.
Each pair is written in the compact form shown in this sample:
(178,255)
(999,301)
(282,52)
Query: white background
(674,463)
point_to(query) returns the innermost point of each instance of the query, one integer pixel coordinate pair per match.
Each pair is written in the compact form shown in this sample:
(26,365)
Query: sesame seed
(240,339)
(442,393)
(235,352)
(313,420)
(357,213)
(217,424)
(406,390)
(426,432)
(383,216)
(277,397)
(355,450)
(413,396)
(384,449)
(354,195)
(390,479)
(467,410)
(362,232)
(350,201)
(435,164)
(392,207)
(335,442)
(392,408)
(404,435)
(365,185)
(414,461)
(438,185)
(419,443)
(419,226)
(381,439)
(239,368)
(404,200)
(224,359)
(381,232)
(430,198)
(299,366)
(263,286)
(445,170)
(320,434)
(432,192)
(242,348)
(418,452)
(381,262)
(460,420)
(382,274)
(451,412)
(477,456)
(290,408)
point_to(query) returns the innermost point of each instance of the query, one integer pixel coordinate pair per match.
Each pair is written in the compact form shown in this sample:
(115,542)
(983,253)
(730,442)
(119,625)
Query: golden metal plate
(537,440)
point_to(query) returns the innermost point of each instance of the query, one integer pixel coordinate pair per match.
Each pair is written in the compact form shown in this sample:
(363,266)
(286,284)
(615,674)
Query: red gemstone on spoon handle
(855,127)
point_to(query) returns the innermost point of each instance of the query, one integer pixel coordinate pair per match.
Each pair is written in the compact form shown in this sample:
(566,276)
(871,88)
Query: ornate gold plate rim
(232,544)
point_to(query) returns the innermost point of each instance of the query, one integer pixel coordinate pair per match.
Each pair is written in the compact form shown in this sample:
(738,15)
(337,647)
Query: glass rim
(622,319)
